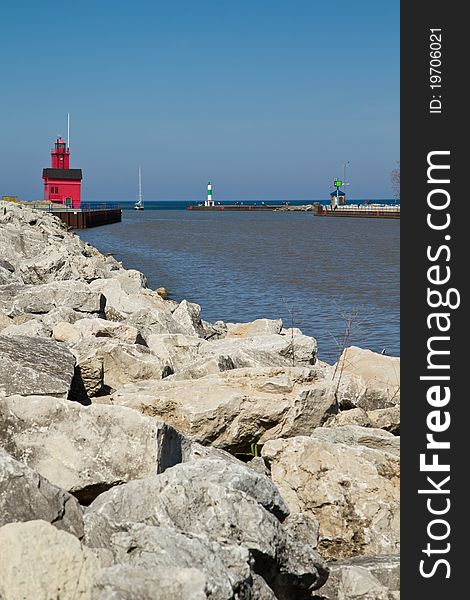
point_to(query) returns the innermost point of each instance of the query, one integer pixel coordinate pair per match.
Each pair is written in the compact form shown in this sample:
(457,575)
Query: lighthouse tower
(209,201)
(62,185)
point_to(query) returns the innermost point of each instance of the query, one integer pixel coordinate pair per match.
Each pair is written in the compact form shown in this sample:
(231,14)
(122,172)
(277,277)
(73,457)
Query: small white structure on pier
(209,201)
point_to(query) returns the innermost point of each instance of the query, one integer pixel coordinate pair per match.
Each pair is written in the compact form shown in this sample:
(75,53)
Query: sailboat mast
(140,185)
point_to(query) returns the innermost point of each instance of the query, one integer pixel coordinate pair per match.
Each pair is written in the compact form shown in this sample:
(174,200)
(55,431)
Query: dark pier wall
(82,219)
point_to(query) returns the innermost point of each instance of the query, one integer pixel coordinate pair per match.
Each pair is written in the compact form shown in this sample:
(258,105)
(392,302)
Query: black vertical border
(421,133)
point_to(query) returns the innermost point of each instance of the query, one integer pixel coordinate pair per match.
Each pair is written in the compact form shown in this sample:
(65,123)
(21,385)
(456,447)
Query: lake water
(317,273)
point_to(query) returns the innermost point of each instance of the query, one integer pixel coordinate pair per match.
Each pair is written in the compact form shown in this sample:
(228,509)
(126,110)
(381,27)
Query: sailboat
(139,205)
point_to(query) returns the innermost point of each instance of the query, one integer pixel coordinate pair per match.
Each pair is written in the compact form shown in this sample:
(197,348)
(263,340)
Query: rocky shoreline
(147,454)
(300,207)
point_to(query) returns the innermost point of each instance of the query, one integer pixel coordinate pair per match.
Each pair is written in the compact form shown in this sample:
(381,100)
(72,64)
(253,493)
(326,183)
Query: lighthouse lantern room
(62,185)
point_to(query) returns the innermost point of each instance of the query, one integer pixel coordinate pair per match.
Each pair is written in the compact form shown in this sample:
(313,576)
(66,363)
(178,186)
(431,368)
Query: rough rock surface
(352,490)
(98,328)
(235,408)
(26,496)
(35,366)
(40,299)
(225,568)
(125,582)
(265,350)
(354,435)
(217,508)
(386,418)
(257,327)
(85,450)
(30,328)
(354,416)
(188,316)
(367,379)
(364,578)
(105,365)
(42,562)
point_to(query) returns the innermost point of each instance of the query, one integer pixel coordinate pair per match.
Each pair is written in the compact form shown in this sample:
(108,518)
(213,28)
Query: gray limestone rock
(30,328)
(236,408)
(227,568)
(188,316)
(355,435)
(85,449)
(126,582)
(354,416)
(26,496)
(265,350)
(35,366)
(106,364)
(220,502)
(364,578)
(41,299)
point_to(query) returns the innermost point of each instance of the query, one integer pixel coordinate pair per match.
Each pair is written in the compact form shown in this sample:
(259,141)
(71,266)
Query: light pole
(344,171)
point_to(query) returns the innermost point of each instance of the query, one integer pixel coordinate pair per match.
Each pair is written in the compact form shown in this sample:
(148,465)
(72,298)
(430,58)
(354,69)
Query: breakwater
(127,419)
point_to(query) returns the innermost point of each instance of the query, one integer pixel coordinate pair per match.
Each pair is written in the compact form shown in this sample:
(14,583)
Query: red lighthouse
(61,183)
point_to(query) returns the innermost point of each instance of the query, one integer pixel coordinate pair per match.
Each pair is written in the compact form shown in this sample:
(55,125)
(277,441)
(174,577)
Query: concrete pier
(84,217)
(358,210)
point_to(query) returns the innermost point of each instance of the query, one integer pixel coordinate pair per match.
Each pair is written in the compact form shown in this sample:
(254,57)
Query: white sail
(139,205)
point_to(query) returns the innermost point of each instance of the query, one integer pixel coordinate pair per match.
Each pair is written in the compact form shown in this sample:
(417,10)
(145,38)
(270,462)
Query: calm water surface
(315,272)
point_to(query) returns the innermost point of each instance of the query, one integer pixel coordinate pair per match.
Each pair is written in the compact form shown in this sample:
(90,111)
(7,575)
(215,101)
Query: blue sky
(265,98)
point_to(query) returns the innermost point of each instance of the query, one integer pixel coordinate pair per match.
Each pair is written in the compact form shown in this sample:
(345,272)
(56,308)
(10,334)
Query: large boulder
(61,315)
(35,366)
(264,350)
(30,328)
(210,487)
(126,294)
(106,364)
(367,379)
(226,568)
(26,496)
(85,449)
(386,418)
(61,262)
(355,435)
(41,562)
(188,316)
(174,349)
(354,416)
(96,328)
(352,489)
(236,408)
(207,499)
(380,418)
(257,327)
(41,299)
